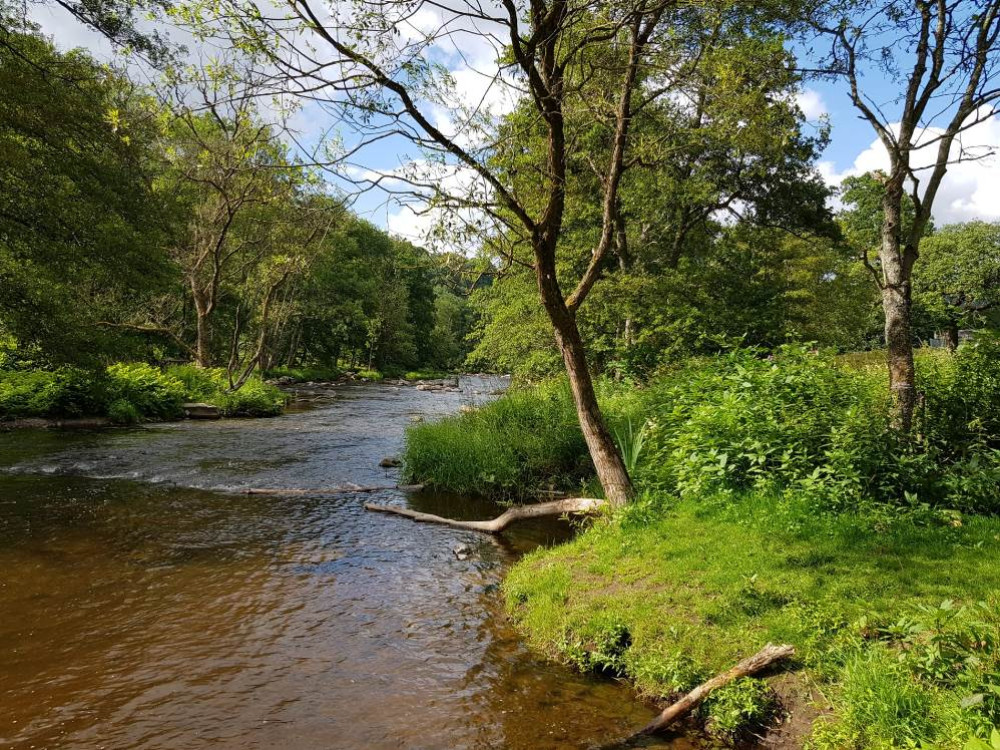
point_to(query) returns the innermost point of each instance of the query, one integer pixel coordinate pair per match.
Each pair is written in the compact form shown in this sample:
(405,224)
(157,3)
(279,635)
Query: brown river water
(145,603)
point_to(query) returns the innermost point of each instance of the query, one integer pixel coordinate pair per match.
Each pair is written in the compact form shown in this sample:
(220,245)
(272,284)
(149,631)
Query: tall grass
(510,447)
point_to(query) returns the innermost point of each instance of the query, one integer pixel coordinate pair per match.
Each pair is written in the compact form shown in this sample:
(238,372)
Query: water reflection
(142,608)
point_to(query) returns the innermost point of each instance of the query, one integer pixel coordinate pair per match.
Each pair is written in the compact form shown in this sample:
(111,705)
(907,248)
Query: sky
(970,190)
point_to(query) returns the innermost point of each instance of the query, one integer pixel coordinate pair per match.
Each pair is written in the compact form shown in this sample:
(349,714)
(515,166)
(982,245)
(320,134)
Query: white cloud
(970,188)
(811,103)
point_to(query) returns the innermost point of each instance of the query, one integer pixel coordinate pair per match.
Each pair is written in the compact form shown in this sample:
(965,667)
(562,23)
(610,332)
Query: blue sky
(970,191)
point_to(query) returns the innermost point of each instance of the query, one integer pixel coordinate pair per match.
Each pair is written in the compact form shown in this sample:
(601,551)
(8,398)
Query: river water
(145,603)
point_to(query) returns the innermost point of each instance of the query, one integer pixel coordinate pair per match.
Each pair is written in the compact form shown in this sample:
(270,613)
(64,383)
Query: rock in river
(201,411)
(390,462)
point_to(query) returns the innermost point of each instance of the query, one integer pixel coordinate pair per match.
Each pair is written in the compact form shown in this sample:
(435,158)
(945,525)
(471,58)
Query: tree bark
(498,524)
(752,665)
(202,355)
(896,303)
(951,336)
(608,463)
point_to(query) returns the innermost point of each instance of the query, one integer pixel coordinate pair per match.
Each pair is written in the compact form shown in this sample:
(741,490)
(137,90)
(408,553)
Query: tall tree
(81,229)
(944,54)
(376,74)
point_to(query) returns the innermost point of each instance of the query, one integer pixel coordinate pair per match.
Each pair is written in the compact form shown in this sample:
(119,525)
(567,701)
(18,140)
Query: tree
(371,75)
(81,228)
(959,286)
(227,167)
(116,20)
(944,53)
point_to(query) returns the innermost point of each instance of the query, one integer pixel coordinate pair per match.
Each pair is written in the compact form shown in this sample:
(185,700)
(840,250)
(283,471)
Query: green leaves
(977,744)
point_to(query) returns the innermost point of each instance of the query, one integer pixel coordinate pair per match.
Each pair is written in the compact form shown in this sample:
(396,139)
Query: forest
(768,400)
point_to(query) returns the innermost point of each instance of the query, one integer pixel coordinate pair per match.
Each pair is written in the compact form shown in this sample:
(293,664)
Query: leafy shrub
(800,421)
(742,705)
(254,399)
(123,411)
(66,392)
(150,392)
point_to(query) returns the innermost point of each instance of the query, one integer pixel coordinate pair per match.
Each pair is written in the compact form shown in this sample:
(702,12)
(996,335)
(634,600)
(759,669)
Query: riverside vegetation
(776,504)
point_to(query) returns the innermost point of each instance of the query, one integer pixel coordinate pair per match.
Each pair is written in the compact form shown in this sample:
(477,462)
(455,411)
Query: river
(146,603)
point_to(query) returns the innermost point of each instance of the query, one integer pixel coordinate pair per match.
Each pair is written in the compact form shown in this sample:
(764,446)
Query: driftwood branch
(347,489)
(520,513)
(749,666)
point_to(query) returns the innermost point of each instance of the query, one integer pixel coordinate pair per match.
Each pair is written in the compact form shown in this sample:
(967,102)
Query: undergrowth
(128,393)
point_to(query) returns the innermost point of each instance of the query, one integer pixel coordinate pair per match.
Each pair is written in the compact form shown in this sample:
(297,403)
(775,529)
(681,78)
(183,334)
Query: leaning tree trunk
(604,453)
(896,303)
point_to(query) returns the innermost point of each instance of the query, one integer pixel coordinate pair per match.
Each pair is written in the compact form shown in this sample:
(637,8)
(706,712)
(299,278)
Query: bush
(254,399)
(151,393)
(123,411)
(130,392)
(66,392)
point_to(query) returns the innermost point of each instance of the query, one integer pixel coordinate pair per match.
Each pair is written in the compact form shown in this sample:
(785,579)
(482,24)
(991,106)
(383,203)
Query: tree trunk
(951,336)
(896,304)
(202,355)
(607,459)
(604,453)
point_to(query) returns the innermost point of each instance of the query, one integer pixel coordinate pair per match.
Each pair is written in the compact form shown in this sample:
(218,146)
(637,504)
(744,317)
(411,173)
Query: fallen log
(501,522)
(749,666)
(347,489)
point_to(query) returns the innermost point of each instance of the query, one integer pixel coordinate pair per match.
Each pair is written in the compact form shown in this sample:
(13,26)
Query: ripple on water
(139,609)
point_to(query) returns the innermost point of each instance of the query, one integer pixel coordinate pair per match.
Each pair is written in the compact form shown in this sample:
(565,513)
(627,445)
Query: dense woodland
(176,222)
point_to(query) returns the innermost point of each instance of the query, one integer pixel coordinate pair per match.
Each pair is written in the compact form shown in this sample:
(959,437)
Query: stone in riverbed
(390,462)
(462,551)
(201,411)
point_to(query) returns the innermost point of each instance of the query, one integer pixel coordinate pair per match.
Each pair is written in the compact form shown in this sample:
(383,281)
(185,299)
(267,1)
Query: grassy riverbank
(775,505)
(130,393)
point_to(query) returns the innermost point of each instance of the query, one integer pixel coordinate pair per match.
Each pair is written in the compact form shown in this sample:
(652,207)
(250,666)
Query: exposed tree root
(520,513)
(347,489)
(749,666)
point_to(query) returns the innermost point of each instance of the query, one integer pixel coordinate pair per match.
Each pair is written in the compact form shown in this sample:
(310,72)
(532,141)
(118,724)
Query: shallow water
(144,603)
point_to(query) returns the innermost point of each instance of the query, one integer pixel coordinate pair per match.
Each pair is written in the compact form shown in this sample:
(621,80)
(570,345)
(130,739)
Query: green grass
(509,447)
(686,591)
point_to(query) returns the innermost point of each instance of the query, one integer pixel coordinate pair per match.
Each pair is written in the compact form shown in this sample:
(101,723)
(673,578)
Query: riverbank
(894,618)
(129,393)
(775,505)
